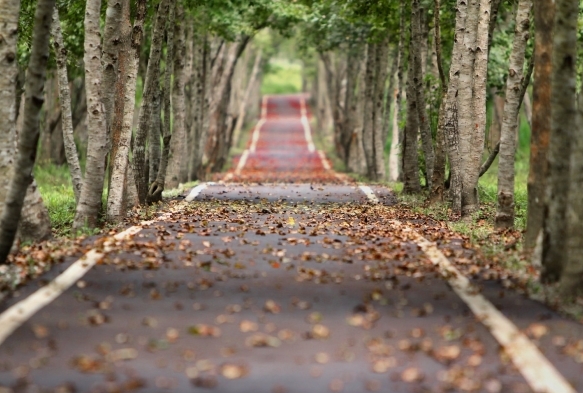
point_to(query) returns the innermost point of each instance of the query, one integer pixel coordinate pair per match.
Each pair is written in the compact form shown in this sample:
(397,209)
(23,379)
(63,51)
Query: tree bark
(65,99)
(29,135)
(506,173)
(382,71)
(438,178)
(125,106)
(369,109)
(564,127)
(218,136)
(544,14)
(418,74)
(450,111)
(202,106)
(178,103)
(472,102)
(244,102)
(89,206)
(411,183)
(151,85)
(571,283)
(156,188)
(154,136)
(113,41)
(8,106)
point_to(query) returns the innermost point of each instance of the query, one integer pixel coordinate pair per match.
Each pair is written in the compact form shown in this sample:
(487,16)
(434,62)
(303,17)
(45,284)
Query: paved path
(313,286)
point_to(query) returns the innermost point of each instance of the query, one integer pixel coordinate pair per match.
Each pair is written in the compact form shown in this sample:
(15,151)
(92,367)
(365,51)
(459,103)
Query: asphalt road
(285,278)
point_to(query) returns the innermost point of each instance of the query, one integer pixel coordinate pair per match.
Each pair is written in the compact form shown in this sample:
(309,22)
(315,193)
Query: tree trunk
(356,155)
(188,91)
(65,99)
(178,103)
(438,178)
(156,188)
(8,108)
(154,136)
(418,74)
(202,106)
(411,183)
(113,41)
(564,127)
(245,101)
(89,206)
(29,135)
(450,111)
(571,284)
(506,173)
(368,119)
(125,106)
(347,128)
(218,136)
(381,72)
(544,13)
(151,85)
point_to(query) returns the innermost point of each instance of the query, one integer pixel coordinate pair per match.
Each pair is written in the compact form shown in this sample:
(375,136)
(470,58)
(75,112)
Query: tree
(29,134)
(544,14)
(89,206)
(151,87)
(8,105)
(564,127)
(124,113)
(65,99)
(506,173)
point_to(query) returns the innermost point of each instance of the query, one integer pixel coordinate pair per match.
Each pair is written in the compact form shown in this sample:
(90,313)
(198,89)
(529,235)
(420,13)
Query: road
(284,277)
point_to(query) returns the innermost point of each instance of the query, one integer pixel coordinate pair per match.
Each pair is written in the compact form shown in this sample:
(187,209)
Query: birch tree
(29,134)
(151,85)
(178,103)
(129,62)
(65,101)
(8,108)
(89,206)
(506,173)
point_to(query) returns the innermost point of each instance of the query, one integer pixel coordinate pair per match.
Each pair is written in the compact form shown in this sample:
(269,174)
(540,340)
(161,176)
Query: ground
(283,276)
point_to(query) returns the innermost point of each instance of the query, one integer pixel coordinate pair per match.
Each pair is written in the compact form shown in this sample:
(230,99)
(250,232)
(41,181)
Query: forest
(469,105)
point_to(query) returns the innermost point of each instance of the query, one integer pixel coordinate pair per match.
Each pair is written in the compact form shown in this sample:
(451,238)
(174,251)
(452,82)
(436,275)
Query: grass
(283,77)
(55,186)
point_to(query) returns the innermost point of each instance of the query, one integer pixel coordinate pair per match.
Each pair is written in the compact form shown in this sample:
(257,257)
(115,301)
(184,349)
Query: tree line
(411,77)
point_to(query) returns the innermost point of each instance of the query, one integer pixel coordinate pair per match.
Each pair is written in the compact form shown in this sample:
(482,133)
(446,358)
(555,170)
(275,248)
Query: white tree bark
(505,209)
(245,100)
(29,135)
(178,103)
(65,100)
(89,206)
(119,176)
(8,75)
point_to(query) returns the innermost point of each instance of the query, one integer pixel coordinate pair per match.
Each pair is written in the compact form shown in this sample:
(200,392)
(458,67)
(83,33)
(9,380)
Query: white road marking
(242,162)
(325,163)
(19,313)
(369,193)
(536,369)
(196,191)
(255,136)
(539,373)
(306,124)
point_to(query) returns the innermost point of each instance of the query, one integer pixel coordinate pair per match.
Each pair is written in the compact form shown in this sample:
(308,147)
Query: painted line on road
(255,136)
(537,370)
(306,124)
(369,193)
(196,191)
(19,313)
(325,163)
(242,162)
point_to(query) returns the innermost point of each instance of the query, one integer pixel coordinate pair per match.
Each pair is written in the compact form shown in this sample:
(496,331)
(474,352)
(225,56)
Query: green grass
(283,77)
(55,186)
